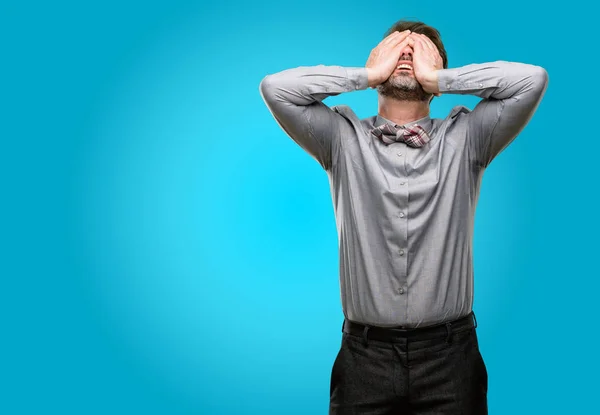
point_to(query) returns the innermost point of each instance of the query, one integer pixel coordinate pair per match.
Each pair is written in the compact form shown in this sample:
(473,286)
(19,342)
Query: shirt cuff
(448,79)
(358,78)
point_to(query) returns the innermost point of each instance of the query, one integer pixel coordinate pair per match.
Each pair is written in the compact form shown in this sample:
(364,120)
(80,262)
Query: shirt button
(400,290)
(448,86)
(480,85)
(402,183)
(401,252)
(401,214)
(399,154)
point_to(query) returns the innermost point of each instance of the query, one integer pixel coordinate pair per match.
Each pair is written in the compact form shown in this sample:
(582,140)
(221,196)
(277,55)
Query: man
(404,188)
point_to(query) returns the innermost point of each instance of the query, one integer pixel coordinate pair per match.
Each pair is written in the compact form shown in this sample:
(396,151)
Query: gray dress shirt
(405,215)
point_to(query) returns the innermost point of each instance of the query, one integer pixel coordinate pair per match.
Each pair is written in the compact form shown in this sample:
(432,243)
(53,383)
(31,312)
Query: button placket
(401,186)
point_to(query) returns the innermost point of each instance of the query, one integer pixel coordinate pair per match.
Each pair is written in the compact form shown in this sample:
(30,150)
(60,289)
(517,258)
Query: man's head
(402,85)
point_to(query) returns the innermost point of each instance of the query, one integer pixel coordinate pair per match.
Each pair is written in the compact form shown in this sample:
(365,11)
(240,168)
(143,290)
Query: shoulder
(352,119)
(453,128)
(345,111)
(455,120)
(457,111)
(350,115)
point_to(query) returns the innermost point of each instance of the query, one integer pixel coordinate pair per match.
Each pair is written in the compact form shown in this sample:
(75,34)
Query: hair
(421,28)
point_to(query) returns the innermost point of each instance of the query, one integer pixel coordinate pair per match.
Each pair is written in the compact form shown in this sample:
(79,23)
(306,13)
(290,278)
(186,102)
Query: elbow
(533,81)
(266,88)
(264,85)
(539,77)
(271,86)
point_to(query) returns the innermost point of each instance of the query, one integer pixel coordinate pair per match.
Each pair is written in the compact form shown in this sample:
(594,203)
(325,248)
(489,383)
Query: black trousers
(423,371)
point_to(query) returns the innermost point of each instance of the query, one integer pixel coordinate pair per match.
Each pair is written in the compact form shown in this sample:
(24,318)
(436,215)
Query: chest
(372,163)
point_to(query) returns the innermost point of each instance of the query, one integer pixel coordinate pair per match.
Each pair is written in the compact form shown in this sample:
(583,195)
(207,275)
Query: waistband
(390,334)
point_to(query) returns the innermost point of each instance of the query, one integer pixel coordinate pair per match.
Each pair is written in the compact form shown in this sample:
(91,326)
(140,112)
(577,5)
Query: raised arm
(294,97)
(511,93)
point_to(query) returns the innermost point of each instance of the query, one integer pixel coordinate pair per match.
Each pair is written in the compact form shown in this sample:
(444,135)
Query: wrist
(430,82)
(373,78)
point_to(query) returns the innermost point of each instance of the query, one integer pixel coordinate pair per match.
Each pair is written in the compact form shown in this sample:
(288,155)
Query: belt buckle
(400,329)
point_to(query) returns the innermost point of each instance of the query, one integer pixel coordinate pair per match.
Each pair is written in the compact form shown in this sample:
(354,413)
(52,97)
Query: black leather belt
(389,334)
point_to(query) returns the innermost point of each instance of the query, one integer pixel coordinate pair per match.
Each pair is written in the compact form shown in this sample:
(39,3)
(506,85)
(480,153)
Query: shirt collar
(424,122)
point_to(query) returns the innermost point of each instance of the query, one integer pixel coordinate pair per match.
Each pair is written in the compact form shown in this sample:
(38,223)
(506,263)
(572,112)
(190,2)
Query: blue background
(162,236)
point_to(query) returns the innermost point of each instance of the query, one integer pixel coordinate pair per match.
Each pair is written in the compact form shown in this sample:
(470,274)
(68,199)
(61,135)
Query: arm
(511,93)
(294,98)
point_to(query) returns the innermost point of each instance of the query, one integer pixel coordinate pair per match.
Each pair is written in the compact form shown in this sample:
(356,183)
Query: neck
(402,112)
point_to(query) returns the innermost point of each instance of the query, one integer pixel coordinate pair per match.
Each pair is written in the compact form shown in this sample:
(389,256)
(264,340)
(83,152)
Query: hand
(384,57)
(426,62)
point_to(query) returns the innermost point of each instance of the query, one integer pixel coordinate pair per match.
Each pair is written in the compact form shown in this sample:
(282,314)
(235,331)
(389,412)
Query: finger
(415,36)
(418,43)
(391,36)
(401,36)
(398,45)
(425,46)
(419,39)
(403,43)
(408,39)
(429,43)
(389,39)
(434,50)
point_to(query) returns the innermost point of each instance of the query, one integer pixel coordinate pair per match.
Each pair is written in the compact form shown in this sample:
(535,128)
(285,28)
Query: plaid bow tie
(414,136)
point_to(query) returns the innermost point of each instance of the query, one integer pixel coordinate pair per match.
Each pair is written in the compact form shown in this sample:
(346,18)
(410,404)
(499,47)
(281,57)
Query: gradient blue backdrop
(155,261)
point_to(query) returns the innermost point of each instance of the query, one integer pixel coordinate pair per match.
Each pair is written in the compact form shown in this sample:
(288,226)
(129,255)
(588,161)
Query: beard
(403,87)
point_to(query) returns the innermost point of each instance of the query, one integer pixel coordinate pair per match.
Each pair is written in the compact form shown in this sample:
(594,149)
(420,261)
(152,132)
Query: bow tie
(414,136)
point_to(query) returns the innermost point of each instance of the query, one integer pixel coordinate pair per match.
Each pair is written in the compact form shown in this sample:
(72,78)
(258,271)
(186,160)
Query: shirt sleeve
(294,98)
(511,93)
